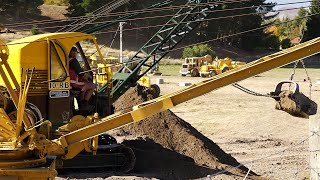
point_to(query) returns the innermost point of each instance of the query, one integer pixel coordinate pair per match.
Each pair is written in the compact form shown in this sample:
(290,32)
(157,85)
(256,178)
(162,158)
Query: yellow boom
(149,108)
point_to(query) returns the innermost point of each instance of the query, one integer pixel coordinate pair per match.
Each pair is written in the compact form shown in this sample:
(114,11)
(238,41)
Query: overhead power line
(243,32)
(208,19)
(141,11)
(227,36)
(152,10)
(160,25)
(82,22)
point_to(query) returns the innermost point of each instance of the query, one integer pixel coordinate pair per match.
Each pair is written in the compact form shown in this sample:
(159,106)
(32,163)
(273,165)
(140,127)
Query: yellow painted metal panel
(30,52)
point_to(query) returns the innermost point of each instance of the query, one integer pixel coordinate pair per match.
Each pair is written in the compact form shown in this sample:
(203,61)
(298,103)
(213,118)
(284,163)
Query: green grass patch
(173,70)
(170,70)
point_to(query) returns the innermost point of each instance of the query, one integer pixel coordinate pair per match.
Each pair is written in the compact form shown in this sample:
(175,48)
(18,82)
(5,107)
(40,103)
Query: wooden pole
(314,147)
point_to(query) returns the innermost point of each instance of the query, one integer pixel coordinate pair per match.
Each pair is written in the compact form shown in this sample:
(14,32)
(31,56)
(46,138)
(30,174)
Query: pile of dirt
(168,147)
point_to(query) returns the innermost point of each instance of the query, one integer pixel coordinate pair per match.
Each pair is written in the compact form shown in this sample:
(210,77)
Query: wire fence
(296,173)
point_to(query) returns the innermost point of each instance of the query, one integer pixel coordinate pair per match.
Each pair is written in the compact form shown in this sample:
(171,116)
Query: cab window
(63,56)
(57,71)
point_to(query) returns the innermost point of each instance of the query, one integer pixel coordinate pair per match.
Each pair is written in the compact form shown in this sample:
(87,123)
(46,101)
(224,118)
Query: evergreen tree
(207,30)
(313,22)
(20,7)
(300,20)
(75,8)
(224,27)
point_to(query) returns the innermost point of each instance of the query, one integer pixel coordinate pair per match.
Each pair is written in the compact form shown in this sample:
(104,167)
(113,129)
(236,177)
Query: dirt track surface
(246,127)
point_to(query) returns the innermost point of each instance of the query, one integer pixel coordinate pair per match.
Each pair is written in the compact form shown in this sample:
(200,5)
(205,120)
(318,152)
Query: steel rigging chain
(305,69)
(248,91)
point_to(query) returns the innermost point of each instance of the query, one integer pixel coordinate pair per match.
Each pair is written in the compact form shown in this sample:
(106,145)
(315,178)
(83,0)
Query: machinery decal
(59,93)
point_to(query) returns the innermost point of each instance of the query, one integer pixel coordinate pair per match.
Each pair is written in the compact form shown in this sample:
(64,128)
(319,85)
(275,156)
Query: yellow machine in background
(219,66)
(31,147)
(104,70)
(192,65)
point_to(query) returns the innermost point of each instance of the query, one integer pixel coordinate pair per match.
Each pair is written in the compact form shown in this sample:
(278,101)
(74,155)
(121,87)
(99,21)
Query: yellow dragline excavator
(42,129)
(29,147)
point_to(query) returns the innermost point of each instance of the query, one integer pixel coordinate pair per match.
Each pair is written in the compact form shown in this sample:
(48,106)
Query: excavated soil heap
(169,148)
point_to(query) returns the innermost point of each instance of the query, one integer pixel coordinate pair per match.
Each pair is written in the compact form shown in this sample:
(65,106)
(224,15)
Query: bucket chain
(248,91)
(305,69)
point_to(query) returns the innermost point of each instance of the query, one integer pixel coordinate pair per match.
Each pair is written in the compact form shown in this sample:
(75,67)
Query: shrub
(272,42)
(198,51)
(286,43)
(35,30)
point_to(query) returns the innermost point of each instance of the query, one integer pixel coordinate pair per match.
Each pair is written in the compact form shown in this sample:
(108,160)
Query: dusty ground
(248,127)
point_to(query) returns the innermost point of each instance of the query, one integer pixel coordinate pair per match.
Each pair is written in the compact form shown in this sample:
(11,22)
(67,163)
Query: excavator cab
(50,89)
(36,87)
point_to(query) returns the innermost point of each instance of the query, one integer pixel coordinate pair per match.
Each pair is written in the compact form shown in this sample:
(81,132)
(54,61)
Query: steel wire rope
(221,75)
(314,169)
(236,34)
(136,11)
(250,169)
(146,27)
(314,133)
(197,5)
(114,37)
(226,36)
(98,11)
(190,44)
(50,21)
(88,20)
(156,9)
(174,49)
(103,46)
(211,11)
(251,92)
(305,69)
(209,19)
(298,171)
(246,32)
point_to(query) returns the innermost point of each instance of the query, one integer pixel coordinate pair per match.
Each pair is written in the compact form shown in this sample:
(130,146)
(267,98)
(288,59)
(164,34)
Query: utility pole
(121,28)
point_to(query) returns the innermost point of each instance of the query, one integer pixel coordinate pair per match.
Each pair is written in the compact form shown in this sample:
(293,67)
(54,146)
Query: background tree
(223,27)
(287,29)
(198,51)
(75,8)
(300,20)
(313,22)
(20,7)
(208,30)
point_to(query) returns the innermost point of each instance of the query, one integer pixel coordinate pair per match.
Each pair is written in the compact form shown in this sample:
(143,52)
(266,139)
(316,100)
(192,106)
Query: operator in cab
(79,80)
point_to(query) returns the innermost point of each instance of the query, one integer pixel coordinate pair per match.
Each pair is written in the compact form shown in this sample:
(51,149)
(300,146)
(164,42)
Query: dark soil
(169,147)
